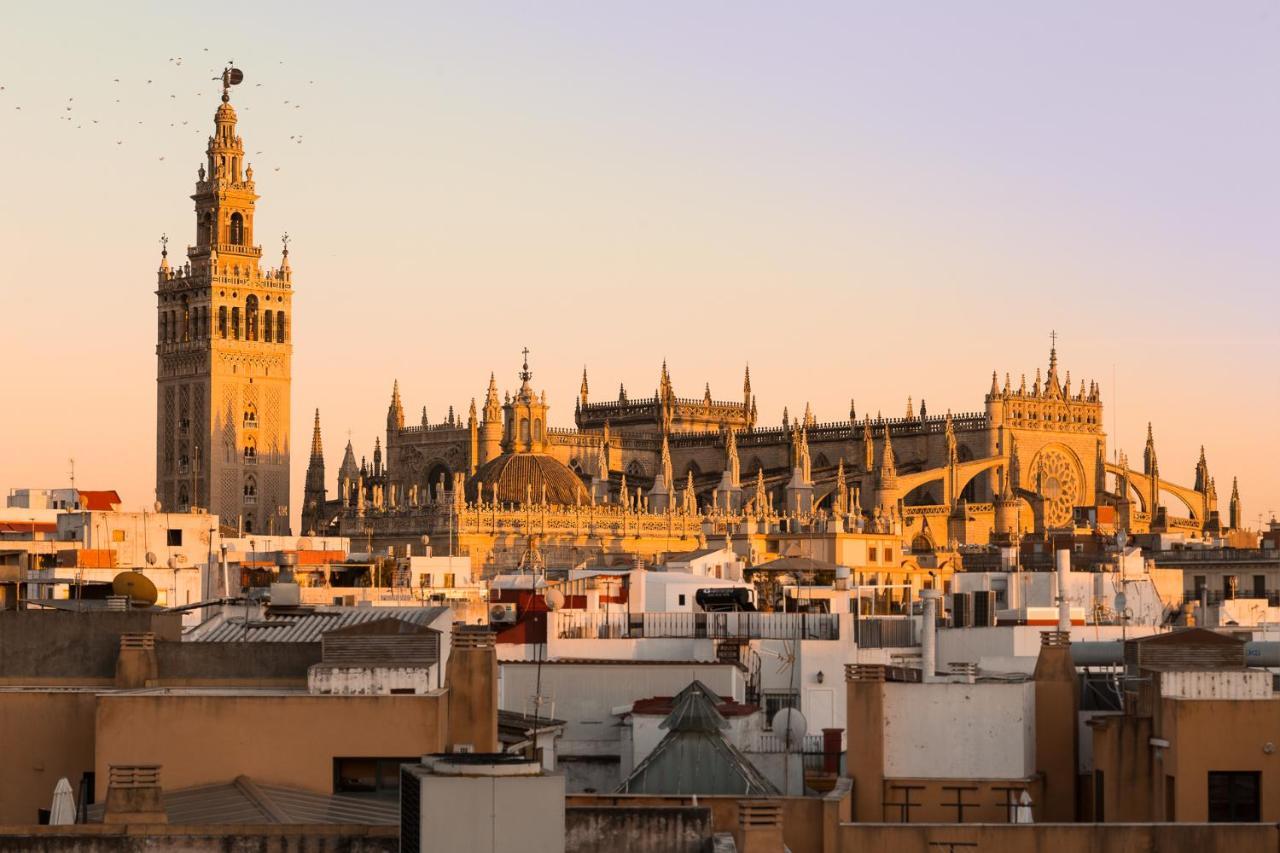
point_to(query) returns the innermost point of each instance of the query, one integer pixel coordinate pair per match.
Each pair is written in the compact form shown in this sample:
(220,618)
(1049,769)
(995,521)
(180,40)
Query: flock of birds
(92,113)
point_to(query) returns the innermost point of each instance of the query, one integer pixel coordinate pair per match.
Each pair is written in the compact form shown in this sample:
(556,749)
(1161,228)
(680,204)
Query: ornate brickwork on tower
(223,355)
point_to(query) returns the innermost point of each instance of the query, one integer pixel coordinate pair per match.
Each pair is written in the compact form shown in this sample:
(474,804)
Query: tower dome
(523,476)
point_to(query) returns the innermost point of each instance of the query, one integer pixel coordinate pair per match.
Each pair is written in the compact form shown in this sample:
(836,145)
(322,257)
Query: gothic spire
(888,465)
(317,448)
(1149,454)
(746,388)
(395,412)
(582,392)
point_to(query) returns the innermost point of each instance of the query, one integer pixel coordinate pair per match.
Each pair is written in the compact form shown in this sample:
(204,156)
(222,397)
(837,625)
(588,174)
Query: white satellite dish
(554,599)
(790,726)
(151,558)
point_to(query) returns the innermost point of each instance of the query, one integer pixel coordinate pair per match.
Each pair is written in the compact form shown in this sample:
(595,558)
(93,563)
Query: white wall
(959,731)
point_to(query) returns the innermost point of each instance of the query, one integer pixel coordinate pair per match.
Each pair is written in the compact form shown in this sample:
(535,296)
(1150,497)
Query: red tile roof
(28,527)
(99,500)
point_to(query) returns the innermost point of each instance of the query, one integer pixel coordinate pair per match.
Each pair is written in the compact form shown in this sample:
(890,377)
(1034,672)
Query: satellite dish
(554,599)
(151,558)
(173,562)
(158,506)
(136,586)
(790,725)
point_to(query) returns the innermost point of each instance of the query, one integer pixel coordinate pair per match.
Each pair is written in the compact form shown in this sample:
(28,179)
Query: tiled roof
(522,477)
(304,627)
(245,801)
(101,500)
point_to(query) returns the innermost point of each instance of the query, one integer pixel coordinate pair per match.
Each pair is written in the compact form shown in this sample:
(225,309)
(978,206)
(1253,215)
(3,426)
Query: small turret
(582,390)
(1236,516)
(746,388)
(395,412)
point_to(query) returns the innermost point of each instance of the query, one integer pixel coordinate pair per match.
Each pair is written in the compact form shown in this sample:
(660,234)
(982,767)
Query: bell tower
(224,349)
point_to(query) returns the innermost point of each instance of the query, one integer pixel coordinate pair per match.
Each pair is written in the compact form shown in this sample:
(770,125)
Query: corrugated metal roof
(308,627)
(248,802)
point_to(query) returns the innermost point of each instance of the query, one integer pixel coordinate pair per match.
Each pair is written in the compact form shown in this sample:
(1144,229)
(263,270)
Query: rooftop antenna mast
(72,460)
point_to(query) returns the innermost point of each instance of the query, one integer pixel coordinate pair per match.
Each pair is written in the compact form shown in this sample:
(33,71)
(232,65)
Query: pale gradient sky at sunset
(872,200)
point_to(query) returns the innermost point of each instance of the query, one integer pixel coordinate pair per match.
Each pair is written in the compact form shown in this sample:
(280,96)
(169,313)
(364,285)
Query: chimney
(929,635)
(759,826)
(472,678)
(1057,699)
(1062,561)
(134,795)
(136,664)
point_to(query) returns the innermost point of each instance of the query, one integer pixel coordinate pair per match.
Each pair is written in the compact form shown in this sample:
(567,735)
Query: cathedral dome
(523,476)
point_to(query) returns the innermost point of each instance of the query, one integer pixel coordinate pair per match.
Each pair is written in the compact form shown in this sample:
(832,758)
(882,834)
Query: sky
(867,200)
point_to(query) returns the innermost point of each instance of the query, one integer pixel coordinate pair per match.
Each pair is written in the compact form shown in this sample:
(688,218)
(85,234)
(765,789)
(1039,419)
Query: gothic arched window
(280,331)
(250,416)
(222,321)
(237,230)
(206,229)
(250,491)
(164,327)
(235,323)
(267,326)
(251,318)
(250,450)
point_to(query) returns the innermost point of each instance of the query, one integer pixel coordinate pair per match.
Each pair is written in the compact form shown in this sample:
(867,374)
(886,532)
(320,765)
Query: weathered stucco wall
(227,838)
(44,735)
(205,737)
(1062,838)
(959,731)
(669,829)
(46,647)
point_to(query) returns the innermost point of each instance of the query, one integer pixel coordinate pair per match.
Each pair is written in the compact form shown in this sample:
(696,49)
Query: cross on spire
(164,245)
(1053,338)
(525,374)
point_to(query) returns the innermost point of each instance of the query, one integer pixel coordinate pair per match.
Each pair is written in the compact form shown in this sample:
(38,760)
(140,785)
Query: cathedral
(641,477)
(635,478)
(223,354)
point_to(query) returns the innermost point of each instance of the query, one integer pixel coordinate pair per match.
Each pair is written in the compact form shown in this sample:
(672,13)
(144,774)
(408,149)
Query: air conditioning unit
(961,610)
(502,612)
(984,608)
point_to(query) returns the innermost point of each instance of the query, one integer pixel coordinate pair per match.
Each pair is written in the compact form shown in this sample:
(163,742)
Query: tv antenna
(72,460)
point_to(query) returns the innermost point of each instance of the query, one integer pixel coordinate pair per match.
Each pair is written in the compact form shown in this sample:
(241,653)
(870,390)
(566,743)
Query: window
(237,230)
(873,554)
(250,452)
(524,430)
(537,429)
(775,701)
(222,321)
(681,599)
(280,335)
(250,492)
(251,318)
(174,537)
(117,536)
(1259,586)
(251,416)
(235,323)
(888,555)
(1233,796)
(267,326)
(368,775)
(1229,586)
(1200,585)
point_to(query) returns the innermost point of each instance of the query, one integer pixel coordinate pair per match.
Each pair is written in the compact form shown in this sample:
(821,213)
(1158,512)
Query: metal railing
(886,632)
(698,626)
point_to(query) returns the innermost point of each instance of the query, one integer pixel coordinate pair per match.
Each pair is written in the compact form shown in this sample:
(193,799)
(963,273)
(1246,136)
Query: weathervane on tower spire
(231,76)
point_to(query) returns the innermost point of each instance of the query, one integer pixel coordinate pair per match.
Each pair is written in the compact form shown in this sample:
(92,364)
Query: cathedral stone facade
(223,355)
(639,477)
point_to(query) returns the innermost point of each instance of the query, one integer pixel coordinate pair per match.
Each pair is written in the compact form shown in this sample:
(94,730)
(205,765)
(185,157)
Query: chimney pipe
(1062,559)
(929,636)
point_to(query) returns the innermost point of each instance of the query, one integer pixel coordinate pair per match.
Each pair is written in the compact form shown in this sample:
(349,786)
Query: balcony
(698,626)
(886,632)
